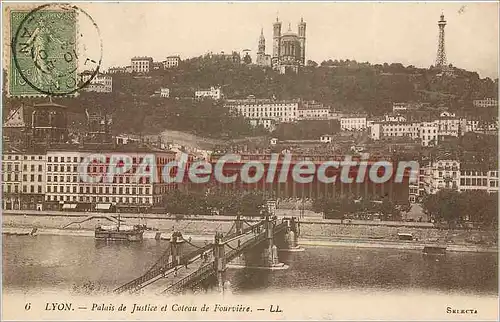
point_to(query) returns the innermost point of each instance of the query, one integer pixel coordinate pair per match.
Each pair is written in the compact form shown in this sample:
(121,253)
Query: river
(71,263)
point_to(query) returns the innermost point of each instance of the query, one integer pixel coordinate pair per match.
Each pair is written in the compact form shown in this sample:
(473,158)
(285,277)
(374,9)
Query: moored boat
(120,232)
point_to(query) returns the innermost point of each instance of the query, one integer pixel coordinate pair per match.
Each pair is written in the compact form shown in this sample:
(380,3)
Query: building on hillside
(395,117)
(214,93)
(474,179)
(100,83)
(441,174)
(479,125)
(268,123)
(311,110)
(327,138)
(450,125)
(233,57)
(389,129)
(429,133)
(162,92)
(451,174)
(141,64)
(353,123)
(171,62)
(279,111)
(487,102)
(117,70)
(157,65)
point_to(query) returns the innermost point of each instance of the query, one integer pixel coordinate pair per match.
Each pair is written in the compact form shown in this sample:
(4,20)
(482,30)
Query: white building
(441,174)
(23,181)
(405,106)
(394,118)
(65,188)
(117,70)
(428,133)
(100,83)
(449,125)
(163,92)
(267,123)
(353,123)
(327,138)
(11,181)
(279,111)
(214,93)
(171,62)
(478,180)
(448,174)
(141,64)
(487,102)
(313,111)
(481,126)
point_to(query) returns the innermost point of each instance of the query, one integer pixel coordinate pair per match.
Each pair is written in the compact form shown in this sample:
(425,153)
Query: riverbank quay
(331,241)
(313,231)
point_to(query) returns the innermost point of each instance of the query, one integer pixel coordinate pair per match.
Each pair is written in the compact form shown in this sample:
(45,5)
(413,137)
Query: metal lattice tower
(441,53)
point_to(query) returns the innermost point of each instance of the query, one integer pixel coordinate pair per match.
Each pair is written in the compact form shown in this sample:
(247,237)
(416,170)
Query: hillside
(343,85)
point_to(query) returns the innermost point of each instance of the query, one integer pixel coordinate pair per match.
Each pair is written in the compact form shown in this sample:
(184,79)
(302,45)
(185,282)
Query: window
(40,168)
(39,189)
(32,178)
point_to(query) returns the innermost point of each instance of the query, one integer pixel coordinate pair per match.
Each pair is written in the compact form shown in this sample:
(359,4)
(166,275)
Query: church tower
(261,50)
(276,42)
(302,41)
(262,43)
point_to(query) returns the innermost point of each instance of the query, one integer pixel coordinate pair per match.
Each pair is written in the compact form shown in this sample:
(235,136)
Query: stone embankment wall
(309,228)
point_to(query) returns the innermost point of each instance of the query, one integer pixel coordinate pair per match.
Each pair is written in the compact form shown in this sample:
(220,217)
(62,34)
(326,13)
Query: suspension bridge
(245,243)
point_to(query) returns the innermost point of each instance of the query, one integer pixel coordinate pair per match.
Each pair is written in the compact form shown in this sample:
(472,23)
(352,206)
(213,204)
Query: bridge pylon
(220,260)
(292,233)
(176,247)
(270,254)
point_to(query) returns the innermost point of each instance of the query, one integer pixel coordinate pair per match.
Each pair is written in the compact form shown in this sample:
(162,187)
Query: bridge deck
(197,265)
(167,277)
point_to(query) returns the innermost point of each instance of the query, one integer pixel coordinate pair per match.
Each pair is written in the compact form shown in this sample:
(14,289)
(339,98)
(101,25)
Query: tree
(312,63)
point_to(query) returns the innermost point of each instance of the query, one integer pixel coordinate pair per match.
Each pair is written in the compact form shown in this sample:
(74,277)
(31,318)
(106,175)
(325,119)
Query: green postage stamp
(43,58)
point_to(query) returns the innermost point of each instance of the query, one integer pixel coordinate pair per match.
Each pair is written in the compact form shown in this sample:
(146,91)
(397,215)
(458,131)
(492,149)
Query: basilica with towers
(289,48)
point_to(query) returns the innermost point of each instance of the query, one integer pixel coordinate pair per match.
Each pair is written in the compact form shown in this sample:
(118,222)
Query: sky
(375,32)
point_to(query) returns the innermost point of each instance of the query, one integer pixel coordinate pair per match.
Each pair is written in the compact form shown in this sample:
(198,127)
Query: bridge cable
(235,249)
(198,247)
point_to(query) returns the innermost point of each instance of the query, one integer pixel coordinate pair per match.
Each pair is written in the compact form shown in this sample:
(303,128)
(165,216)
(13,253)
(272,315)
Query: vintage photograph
(250,160)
